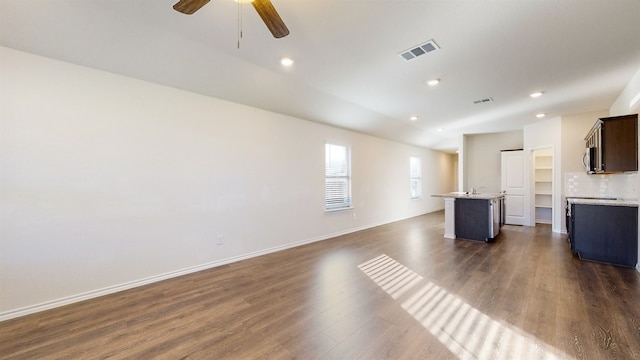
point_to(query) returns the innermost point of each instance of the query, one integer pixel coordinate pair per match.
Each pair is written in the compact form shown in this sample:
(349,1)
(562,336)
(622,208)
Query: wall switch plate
(220,240)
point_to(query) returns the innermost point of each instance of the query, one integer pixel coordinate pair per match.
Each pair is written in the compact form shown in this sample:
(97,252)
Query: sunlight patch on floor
(464,330)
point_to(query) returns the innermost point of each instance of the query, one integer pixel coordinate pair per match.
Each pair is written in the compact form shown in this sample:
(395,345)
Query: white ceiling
(347,70)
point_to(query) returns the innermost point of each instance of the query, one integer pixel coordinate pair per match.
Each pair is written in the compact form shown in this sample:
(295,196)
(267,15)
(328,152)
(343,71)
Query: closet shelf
(543,190)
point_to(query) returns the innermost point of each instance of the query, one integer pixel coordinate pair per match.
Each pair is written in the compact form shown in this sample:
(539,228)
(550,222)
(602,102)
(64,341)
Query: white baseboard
(11,314)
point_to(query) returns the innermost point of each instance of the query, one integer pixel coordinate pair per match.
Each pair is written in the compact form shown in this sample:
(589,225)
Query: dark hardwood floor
(398,291)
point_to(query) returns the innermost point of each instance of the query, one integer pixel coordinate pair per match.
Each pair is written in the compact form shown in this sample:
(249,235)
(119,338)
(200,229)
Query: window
(415,177)
(338,177)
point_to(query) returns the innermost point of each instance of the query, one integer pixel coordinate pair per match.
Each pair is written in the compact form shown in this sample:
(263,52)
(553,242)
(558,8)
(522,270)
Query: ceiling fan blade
(271,18)
(189,6)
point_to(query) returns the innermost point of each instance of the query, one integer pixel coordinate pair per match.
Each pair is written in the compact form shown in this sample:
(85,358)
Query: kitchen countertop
(463,195)
(610,202)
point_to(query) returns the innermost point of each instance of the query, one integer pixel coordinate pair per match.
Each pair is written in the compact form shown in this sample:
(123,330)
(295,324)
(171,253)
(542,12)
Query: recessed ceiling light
(285,61)
(541,115)
(440,129)
(413,118)
(433,82)
(536,94)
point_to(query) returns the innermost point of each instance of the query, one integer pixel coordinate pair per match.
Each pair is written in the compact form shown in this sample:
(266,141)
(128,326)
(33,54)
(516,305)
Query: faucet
(474,190)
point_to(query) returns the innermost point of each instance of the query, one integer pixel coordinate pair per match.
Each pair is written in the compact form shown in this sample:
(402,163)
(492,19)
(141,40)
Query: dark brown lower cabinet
(605,233)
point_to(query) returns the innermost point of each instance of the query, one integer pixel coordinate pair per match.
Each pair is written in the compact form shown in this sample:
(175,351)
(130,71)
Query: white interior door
(513,184)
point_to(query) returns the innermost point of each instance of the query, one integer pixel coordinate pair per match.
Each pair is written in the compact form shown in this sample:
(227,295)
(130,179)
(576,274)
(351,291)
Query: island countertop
(464,195)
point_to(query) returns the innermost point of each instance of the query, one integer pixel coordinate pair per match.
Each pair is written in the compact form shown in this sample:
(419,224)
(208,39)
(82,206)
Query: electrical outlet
(220,240)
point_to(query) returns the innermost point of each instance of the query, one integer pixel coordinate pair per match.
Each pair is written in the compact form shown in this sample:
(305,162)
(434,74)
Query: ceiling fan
(264,8)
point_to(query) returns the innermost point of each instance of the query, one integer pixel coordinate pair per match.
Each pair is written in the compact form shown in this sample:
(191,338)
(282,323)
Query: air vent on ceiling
(489,99)
(421,49)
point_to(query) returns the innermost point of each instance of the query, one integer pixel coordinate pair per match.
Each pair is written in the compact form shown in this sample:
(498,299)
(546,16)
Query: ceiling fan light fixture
(264,8)
(188,7)
(271,18)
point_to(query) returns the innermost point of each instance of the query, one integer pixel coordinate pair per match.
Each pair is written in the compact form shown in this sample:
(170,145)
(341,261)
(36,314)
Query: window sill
(337,210)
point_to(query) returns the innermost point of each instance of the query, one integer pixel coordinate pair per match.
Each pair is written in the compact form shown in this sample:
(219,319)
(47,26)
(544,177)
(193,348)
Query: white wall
(482,161)
(628,102)
(545,134)
(462,163)
(574,129)
(108,182)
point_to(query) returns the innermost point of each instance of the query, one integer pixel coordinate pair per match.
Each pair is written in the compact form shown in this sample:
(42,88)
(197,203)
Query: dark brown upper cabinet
(612,145)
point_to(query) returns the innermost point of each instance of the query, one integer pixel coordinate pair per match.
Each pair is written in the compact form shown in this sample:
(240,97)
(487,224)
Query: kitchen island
(472,216)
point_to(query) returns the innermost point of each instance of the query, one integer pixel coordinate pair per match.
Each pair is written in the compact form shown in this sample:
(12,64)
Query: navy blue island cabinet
(605,233)
(477,218)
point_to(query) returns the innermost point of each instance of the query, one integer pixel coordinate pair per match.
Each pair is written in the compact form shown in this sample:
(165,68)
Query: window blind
(415,177)
(337,177)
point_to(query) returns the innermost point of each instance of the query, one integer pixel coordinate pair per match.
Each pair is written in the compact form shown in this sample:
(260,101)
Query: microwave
(592,159)
(589,161)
